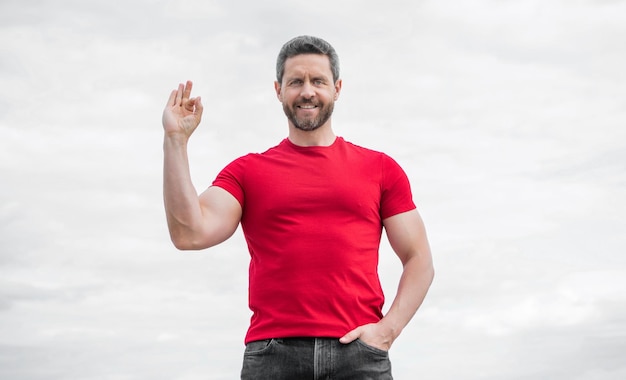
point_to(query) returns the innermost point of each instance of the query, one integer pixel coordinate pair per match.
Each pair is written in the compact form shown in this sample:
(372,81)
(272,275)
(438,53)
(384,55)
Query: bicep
(221,213)
(407,235)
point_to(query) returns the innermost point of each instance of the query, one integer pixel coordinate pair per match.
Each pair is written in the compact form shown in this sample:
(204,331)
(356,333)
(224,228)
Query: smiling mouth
(307,107)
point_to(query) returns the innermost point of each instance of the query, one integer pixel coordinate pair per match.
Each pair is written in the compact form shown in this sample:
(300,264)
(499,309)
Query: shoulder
(380,156)
(358,148)
(253,157)
(278,149)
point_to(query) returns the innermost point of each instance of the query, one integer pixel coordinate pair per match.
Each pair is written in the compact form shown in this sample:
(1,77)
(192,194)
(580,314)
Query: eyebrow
(313,77)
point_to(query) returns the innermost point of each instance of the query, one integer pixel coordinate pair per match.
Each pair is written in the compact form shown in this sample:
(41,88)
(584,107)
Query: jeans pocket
(372,349)
(258,346)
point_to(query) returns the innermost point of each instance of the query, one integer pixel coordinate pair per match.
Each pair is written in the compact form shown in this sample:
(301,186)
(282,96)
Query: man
(312,210)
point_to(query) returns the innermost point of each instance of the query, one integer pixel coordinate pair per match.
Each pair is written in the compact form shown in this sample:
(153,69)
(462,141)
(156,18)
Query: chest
(313,186)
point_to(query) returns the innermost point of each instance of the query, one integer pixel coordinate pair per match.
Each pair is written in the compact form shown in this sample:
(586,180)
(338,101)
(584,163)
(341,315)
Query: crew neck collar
(334,143)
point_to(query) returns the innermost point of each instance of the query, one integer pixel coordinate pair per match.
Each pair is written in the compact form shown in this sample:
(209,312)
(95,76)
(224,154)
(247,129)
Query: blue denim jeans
(314,359)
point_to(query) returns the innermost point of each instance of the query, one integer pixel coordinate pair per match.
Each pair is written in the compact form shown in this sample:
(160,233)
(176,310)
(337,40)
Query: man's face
(307,91)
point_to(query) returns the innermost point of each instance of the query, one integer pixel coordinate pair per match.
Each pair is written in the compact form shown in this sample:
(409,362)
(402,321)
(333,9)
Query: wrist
(392,327)
(176,138)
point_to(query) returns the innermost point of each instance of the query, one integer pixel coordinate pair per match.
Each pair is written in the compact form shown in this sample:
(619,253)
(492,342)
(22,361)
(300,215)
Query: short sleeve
(396,196)
(231,179)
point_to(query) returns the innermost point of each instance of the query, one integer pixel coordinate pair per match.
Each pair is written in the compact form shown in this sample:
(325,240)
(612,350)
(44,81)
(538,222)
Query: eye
(318,82)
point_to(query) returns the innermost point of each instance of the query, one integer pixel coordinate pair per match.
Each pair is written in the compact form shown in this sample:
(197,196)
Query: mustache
(307,102)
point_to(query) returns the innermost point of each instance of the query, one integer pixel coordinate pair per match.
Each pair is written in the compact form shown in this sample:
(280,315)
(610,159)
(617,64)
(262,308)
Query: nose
(307,90)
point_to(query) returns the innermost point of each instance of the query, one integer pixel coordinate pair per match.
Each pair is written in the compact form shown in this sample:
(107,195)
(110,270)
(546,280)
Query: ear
(338,85)
(277,88)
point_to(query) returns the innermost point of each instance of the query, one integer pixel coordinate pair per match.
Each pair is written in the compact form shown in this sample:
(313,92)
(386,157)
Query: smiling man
(310,90)
(312,210)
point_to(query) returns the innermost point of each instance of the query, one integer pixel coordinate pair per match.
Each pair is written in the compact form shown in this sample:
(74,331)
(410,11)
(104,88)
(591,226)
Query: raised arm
(194,222)
(407,236)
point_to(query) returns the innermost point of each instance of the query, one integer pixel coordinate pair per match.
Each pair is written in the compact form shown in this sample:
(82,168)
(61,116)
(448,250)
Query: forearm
(182,206)
(415,281)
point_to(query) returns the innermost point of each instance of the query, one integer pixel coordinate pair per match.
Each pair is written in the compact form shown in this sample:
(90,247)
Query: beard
(309,123)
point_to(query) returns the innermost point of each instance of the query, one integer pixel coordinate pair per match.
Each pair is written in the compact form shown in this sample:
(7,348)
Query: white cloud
(507,116)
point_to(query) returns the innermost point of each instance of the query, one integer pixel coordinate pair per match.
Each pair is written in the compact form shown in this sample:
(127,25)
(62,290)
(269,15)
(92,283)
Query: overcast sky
(508,116)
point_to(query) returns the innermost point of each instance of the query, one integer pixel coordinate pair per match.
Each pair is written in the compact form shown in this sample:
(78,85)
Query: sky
(508,117)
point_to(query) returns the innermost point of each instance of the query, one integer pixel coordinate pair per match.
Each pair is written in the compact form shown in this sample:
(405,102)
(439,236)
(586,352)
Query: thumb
(351,336)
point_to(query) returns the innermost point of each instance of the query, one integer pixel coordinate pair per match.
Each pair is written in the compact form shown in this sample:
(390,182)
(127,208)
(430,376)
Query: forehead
(313,64)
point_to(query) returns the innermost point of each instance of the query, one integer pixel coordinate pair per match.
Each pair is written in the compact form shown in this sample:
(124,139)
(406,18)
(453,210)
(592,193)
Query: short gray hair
(306,45)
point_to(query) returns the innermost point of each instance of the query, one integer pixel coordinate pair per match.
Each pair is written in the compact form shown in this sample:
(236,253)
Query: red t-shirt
(312,219)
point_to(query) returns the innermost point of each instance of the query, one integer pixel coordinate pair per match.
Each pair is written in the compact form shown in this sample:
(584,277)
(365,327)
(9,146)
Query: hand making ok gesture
(182,114)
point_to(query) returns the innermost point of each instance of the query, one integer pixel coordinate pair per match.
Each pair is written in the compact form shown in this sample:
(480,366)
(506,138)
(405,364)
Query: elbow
(429,270)
(421,266)
(431,273)
(185,243)
(184,237)
(193,242)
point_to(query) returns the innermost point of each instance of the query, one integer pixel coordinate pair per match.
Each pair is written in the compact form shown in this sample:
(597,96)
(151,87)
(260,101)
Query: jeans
(314,359)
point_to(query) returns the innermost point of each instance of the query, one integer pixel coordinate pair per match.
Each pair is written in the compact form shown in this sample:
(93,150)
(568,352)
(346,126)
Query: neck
(323,136)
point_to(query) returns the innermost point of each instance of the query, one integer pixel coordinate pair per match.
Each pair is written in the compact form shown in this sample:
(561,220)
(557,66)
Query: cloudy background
(508,116)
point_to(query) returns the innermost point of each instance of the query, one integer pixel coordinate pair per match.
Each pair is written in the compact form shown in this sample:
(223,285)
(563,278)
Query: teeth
(307,107)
